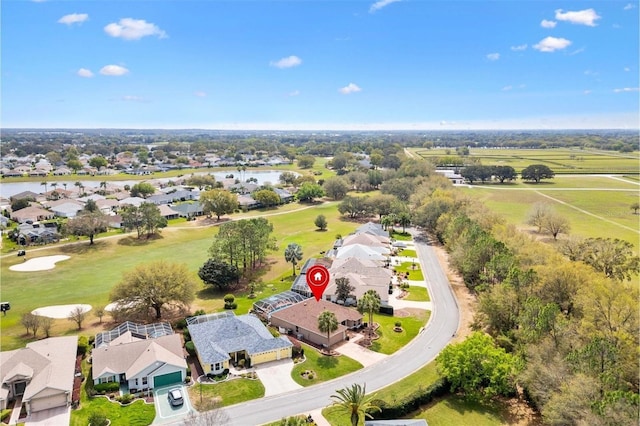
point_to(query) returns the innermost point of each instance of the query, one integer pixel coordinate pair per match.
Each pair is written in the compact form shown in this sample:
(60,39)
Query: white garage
(47,402)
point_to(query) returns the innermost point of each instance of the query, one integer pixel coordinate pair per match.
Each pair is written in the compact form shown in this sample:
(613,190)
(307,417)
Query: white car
(175,397)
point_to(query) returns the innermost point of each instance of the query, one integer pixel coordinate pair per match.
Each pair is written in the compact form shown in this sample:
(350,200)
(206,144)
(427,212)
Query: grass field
(560,160)
(91,272)
(597,206)
(324,368)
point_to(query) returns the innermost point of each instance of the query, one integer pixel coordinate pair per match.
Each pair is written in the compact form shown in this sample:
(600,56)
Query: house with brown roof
(41,375)
(301,321)
(32,213)
(140,362)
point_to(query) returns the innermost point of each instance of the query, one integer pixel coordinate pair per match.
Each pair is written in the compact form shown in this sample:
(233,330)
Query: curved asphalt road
(442,326)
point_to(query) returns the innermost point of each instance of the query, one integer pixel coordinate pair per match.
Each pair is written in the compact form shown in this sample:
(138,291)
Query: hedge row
(412,402)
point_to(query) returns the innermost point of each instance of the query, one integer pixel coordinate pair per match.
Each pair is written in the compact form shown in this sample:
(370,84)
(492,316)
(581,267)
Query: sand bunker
(39,263)
(59,311)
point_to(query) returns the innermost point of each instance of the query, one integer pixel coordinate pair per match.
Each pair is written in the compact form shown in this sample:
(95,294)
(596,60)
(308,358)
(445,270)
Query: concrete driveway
(165,412)
(353,350)
(276,377)
(51,417)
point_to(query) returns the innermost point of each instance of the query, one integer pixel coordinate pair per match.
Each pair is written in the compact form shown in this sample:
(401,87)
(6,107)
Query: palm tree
(65,186)
(370,303)
(45,185)
(79,185)
(386,222)
(404,219)
(354,403)
(327,323)
(293,254)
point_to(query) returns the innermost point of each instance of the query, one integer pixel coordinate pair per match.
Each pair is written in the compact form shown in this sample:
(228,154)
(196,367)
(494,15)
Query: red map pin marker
(317,279)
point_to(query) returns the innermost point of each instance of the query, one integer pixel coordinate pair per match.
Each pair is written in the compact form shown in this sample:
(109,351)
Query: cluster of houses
(173,201)
(38,166)
(142,357)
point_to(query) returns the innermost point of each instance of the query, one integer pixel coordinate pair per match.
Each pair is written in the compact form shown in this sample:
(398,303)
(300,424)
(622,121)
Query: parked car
(175,397)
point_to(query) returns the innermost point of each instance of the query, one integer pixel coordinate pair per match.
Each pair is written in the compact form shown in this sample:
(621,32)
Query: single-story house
(224,338)
(189,209)
(42,374)
(69,209)
(372,228)
(167,212)
(301,320)
(32,213)
(140,362)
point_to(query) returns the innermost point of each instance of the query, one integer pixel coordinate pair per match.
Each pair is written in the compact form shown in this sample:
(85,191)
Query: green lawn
(136,413)
(324,367)
(226,393)
(398,235)
(390,340)
(408,253)
(458,411)
(417,294)
(414,274)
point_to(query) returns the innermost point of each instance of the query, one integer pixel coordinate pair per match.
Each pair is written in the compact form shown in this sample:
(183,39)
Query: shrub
(186,335)
(232,305)
(190,347)
(412,402)
(98,418)
(199,312)
(125,399)
(83,346)
(5,414)
(182,324)
(229,298)
(398,324)
(188,371)
(103,388)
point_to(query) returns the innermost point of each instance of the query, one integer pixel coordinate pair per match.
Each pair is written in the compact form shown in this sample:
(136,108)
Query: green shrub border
(412,402)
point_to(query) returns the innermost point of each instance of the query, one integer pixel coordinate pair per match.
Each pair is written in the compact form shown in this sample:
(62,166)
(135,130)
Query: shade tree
(153,286)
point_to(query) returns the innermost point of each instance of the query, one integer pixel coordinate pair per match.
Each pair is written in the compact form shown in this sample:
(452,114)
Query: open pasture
(596,206)
(560,160)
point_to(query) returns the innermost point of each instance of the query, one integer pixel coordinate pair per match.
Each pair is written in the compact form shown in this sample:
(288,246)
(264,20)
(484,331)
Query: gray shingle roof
(215,337)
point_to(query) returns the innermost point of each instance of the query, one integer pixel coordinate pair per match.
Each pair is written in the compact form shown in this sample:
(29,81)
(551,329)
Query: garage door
(167,379)
(53,401)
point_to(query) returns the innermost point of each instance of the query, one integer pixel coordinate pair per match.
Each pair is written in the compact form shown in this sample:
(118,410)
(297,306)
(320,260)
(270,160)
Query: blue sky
(305,64)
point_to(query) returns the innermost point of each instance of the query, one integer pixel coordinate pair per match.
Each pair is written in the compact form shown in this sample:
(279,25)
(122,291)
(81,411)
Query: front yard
(390,340)
(229,392)
(137,413)
(322,367)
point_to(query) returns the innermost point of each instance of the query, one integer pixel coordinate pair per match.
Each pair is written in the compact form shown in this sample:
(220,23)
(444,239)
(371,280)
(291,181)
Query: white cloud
(548,24)
(200,94)
(493,56)
(288,62)
(132,98)
(380,4)
(627,89)
(83,72)
(350,88)
(507,88)
(113,70)
(581,17)
(133,29)
(294,93)
(73,18)
(629,6)
(627,69)
(519,48)
(551,44)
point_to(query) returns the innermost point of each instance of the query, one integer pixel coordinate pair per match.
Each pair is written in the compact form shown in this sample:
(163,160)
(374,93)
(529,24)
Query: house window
(144,381)
(136,381)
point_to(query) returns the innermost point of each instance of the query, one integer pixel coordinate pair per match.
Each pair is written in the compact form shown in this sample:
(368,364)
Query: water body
(12,188)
